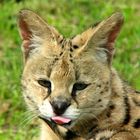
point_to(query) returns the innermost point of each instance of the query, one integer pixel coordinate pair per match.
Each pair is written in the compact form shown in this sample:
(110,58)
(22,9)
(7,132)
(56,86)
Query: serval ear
(34,32)
(101,41)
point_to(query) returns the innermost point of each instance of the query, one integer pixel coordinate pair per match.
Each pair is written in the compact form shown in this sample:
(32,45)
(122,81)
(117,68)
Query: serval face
(67,81)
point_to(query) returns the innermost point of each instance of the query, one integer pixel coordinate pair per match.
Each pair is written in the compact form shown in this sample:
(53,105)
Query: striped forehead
(64,65)
(68,48)
(66,53)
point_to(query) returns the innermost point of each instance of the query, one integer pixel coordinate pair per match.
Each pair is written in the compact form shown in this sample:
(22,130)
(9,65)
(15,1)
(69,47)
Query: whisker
(29,112)
(27,120)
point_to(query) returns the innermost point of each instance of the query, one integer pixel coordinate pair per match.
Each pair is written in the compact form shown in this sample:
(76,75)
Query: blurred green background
(69,17)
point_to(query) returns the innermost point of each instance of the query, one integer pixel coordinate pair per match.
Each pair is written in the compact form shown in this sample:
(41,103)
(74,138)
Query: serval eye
(77,87)
(45,83)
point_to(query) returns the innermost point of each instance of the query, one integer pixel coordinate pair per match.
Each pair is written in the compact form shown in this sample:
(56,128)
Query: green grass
(70,18)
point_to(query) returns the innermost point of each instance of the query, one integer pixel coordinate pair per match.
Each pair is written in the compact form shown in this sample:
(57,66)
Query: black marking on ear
(75,46)
(127,111)
(137,123)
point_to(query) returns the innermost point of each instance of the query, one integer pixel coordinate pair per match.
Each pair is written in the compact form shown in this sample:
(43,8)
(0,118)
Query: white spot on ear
(101,54)
(36,41)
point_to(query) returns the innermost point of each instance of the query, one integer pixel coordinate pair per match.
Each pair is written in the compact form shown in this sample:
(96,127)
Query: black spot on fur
(28,97)
(61,53)
(99,100)
(70,42)
(137,123)
(106,89)
(75,46)
(104,138)
(112,107)
(101,106)
(71,50)
(56,59)
(127,111)
(61,41)
(107,83)
(70,135)
(108,113)
(99,85)
(70,55)
(71,60)
(63,46)
(102,92)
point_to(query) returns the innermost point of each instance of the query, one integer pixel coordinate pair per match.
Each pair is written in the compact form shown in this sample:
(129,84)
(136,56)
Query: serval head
(67,80)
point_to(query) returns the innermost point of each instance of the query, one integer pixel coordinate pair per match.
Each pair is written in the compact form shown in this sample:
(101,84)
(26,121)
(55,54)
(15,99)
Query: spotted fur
(105,109)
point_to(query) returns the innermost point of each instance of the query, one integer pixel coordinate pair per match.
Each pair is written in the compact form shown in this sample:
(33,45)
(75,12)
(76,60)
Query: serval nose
(59,105)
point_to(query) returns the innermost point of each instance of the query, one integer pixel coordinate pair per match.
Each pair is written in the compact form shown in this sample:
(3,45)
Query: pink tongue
(60,120)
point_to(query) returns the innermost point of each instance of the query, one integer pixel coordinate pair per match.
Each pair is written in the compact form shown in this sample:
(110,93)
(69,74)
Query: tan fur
(107,109)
